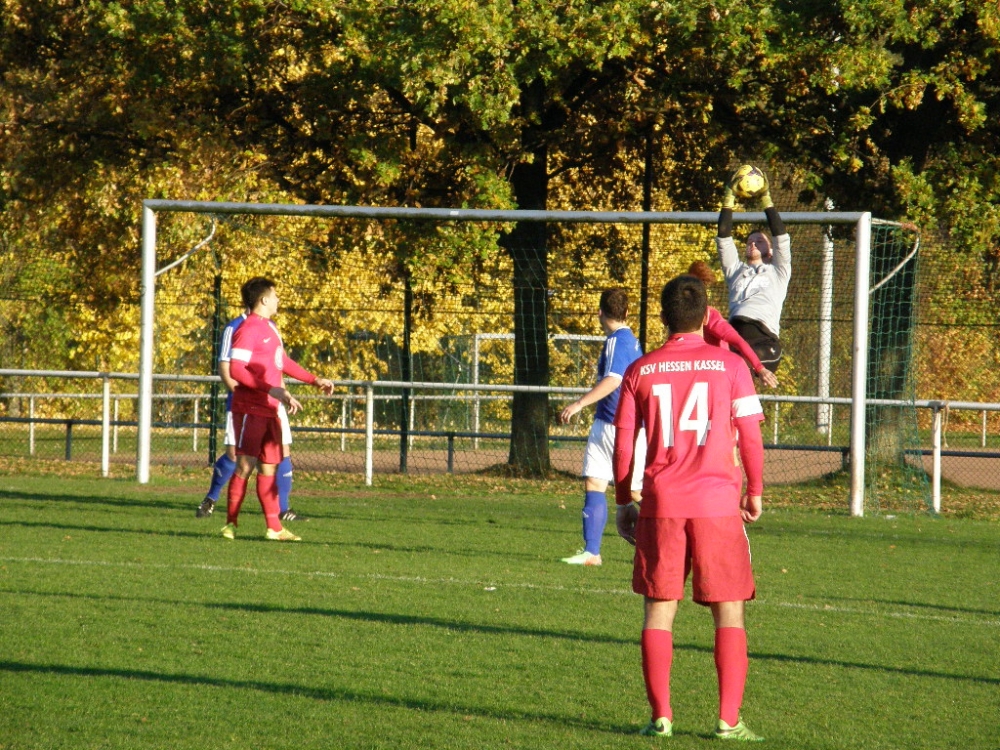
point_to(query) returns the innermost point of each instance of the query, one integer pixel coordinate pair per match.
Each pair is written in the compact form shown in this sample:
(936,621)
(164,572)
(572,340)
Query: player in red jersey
(718,331)
(693,399)
(257,364)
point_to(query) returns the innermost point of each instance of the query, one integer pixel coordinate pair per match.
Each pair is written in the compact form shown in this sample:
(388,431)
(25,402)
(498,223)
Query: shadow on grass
(431,514)
(390,618)
(851,531)
(944,609)
(319,694)
(250,531)
(78,528)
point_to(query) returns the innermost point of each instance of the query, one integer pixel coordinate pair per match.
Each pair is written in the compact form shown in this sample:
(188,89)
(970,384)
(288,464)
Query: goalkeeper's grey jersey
(757,292)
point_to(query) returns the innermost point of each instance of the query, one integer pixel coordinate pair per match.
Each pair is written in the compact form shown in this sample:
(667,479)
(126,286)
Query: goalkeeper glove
(728,192)
(728,197)
(765,197)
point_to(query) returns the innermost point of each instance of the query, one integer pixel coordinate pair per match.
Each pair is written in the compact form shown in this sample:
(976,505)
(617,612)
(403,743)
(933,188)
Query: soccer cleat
(229,531)
(284,535)
(291,515)
(583,558)
(740,732)
(206,508)
(662,727)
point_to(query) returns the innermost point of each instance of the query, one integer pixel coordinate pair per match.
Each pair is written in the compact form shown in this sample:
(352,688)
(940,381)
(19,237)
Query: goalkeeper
(758,283)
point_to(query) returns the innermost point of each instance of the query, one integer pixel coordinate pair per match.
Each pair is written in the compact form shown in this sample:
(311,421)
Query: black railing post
(69,439)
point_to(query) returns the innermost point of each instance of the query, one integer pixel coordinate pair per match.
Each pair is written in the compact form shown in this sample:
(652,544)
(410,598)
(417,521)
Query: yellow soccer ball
(749,182)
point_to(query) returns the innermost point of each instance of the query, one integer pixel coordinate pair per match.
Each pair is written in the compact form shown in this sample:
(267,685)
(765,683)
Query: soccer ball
(749,182)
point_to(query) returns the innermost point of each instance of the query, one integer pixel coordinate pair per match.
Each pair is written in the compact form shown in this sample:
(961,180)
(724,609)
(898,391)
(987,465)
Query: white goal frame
(862,221)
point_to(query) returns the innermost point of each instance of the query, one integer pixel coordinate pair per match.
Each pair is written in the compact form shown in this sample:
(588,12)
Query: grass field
(434,613)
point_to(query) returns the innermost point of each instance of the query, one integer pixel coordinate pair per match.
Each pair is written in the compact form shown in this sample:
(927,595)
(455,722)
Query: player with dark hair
(692,399)
(225,464)
(258,364)
(620,349)
(757,285)
(719,332)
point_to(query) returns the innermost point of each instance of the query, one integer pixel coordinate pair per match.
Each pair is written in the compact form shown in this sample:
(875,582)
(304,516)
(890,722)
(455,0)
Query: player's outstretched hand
(728,194)
(765,196)
(324,385)
(625,519)
(566,414)
(751,506)
(733,180)
(768,377)
(291,403)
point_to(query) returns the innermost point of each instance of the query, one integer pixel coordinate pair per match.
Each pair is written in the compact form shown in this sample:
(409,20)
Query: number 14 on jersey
(693,414)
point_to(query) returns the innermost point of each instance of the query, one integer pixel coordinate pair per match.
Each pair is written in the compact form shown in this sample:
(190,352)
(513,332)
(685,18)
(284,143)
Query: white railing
(366,394)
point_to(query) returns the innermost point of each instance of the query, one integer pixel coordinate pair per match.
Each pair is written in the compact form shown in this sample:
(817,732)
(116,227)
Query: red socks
(267,493)
(657,656)
(731,664)
(235,493)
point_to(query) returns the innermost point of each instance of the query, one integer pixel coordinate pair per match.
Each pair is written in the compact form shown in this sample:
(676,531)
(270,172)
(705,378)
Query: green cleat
(740,732)
(284,535)
(229,531)
(583,558)
(662,727)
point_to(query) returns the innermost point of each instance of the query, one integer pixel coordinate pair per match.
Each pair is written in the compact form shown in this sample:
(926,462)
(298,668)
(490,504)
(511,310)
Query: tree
(886,106)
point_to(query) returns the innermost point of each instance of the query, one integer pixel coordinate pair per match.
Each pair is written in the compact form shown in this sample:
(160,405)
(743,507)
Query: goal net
(456,341)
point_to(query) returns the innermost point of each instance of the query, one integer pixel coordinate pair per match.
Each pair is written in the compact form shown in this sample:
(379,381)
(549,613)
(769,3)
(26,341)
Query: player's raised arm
(729,256)
(720,329)
(782,244)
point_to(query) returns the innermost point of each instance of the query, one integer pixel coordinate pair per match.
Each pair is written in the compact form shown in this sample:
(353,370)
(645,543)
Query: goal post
(861,223)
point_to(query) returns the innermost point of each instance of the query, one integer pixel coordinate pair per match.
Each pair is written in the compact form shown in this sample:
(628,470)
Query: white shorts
(286,429)
(598,459)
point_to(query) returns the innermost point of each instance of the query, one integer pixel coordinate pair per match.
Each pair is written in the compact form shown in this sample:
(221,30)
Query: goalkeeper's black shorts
(765,344)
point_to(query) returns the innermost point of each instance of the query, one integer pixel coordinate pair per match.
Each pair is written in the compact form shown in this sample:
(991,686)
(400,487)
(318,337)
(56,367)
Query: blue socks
(595,516)
(221,474)
(284,481)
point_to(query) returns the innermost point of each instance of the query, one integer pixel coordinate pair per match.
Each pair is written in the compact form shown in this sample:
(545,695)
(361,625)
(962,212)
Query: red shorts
(259,437)
(716,551)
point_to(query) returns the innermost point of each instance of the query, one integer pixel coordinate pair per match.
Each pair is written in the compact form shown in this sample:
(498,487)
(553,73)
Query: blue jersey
(621,348)
(226,348)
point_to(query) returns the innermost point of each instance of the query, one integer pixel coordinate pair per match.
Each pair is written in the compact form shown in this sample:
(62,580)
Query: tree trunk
(527,246)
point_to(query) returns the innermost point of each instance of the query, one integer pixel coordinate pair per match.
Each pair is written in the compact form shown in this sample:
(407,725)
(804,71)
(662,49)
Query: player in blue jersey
(621,348)
(225,464)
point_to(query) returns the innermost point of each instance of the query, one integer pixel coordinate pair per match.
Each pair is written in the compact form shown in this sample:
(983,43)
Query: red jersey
(692,397)
(257,363)
(720,333)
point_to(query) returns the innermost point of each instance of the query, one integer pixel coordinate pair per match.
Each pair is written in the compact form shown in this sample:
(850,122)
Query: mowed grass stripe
(494,585)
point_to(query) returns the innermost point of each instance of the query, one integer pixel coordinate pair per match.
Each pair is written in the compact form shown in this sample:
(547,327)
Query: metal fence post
(106,427)
(936,460)
(31,426)
(369,433)
(194,432)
